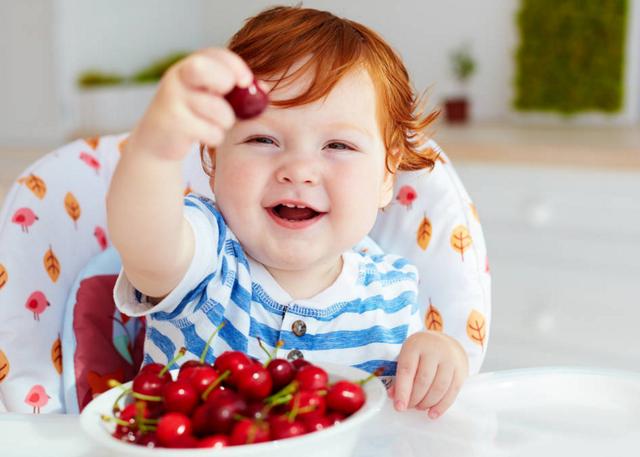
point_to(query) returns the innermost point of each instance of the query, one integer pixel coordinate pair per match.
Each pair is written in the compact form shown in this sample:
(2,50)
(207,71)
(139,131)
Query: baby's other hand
(189,105)
(431,370)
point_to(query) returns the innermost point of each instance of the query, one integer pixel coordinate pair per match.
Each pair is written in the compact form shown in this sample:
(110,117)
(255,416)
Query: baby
(296,189)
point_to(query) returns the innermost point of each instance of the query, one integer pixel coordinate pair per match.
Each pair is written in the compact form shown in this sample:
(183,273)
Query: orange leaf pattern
(72,207)
(35,185)
(56,355)
(424,233)
(4,276)
(122,145)
(461,239)
(474,211)
(4,366)
(187,190)
(433,319)
(93,142)
(52,264)
(476,328)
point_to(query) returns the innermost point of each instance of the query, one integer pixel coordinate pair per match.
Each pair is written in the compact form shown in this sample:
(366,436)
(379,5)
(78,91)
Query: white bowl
(336,441)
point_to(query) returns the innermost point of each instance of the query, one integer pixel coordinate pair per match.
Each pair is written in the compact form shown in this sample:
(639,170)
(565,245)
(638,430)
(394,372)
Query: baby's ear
(208,159)
(386,192)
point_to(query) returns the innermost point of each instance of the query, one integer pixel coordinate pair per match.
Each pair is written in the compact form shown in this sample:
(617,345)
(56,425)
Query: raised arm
(144,203)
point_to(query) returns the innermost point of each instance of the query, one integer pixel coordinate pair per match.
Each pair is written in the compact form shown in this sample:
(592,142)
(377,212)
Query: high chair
(61,338)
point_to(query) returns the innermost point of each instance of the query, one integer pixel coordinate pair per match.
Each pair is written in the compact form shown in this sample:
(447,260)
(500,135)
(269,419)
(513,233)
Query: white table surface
(532,412)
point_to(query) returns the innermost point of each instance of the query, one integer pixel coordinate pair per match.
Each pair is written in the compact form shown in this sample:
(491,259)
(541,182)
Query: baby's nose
(298,171)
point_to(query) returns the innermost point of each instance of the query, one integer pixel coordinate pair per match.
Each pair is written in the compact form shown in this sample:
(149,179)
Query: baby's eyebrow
(349,126)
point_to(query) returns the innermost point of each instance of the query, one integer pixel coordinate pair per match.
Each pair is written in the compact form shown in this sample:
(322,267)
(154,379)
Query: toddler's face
(299,186)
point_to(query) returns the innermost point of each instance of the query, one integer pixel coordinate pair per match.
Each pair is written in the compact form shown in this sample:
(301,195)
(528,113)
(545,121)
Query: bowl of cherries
(237,406)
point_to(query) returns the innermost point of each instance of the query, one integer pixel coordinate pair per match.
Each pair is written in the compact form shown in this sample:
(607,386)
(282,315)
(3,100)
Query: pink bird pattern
(101,237)
(406,196)
(37,397)
(37,303)
(91,161)
(25,218)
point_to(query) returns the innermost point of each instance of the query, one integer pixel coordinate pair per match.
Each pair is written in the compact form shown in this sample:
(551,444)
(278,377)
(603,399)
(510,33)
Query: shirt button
(294,354)
(299,328)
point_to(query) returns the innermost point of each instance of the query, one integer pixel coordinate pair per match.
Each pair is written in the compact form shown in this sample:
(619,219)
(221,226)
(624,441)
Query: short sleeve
(209,230)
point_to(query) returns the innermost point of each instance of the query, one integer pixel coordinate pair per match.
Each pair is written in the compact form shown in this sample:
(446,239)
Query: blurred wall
(46,43)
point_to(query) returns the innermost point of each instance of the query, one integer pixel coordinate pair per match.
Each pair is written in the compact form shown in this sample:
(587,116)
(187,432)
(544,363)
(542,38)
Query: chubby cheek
(355,202)
(236,187)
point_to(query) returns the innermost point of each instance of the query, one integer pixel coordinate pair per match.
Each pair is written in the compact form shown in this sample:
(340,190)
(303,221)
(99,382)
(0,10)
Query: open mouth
(294,216)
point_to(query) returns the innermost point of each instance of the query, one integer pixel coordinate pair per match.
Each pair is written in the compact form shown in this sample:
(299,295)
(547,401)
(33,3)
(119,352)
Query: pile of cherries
(237,400)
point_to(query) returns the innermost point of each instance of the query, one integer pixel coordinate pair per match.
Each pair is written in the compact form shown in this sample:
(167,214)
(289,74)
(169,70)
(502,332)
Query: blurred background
(541,116)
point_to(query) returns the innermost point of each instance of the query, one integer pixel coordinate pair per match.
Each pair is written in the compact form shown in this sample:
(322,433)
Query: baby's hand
(431,370)
(189,105)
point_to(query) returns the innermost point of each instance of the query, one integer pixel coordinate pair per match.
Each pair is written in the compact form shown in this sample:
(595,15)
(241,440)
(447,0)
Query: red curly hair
(275,39)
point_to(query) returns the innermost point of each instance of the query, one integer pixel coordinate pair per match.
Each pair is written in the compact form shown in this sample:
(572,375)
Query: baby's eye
(261,140)
(339,145)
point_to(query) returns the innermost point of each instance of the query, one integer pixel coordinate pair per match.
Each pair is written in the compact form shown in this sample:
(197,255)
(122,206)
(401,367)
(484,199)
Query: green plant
(463,64)
(95,78)
(150,74)
(571,55)
(155,70)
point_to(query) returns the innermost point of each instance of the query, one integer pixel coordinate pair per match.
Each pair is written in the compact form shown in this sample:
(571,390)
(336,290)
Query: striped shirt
(361,320)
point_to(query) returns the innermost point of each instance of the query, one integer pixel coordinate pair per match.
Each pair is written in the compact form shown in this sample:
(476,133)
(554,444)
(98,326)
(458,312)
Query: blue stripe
(389,277)
(389,366)
(229,333)
(345,339)
(241,297)
(146,360)
(192,340)
(359,306)
(199,289)
(163,343)
(267,334)
(233,248)
(400,263)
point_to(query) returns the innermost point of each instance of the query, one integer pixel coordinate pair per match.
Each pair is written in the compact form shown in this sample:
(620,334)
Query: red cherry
(180,396)
(234,361)
(201,377)
(147,439)
(155,368)
(248,102)
(299,363)
(345,397)
(311,377)
(217,416)
(282,373)
(314,424)
(248,431)
(185,368)
(335,417)
(281,427)
(215,442)
(149,383)
(308,404)
(174,430)
(256,410)
(254,383)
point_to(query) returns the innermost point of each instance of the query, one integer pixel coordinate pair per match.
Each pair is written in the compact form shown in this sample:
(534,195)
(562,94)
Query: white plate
(542,412)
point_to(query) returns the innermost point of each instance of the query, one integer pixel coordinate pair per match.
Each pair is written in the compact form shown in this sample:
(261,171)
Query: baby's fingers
(211,108)
(405,373)
(425,375)
(439,408)
(439,387)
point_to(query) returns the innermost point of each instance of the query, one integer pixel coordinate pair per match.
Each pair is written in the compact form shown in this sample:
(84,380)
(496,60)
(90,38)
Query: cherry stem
(180,353)
(205,351)
(116,406)
(215,384)
(115,420)
(286,390)
(145,397)
(269,355)
(375,374)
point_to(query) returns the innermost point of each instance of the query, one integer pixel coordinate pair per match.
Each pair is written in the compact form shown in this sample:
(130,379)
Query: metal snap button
(294,354)
(299,328)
